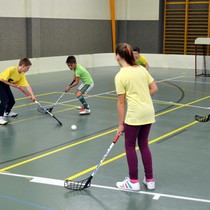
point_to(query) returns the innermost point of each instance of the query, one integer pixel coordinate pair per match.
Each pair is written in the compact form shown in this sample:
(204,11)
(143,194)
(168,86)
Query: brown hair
(125,51)
(25,61)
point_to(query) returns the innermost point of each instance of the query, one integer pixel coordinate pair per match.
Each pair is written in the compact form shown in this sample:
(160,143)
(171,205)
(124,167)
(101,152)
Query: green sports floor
(37,154)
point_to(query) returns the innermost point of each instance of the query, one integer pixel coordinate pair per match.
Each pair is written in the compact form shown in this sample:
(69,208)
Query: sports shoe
(3,121)
(82,107)
(128,185)
(84,111)
(150,185)
(10,114)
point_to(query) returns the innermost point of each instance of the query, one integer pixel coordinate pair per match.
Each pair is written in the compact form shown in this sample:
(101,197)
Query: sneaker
(3,121)
(128,185)
(150,185)
(84,111)
(82,107)
(11,114)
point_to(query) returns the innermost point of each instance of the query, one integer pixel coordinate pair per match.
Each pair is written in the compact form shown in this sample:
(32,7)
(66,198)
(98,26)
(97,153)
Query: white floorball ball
(73,127)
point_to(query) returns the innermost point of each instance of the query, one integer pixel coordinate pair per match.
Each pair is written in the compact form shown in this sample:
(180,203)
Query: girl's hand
(120,130)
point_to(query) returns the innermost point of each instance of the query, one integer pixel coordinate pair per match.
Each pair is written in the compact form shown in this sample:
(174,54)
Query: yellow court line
(83,141)
(150,142)
(123,154)
(182,106)
(38,95)
(57,150)
(23,105)
(31,118)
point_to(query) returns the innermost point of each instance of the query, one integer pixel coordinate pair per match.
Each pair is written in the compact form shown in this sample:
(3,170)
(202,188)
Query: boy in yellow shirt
(14,77)
(140,59)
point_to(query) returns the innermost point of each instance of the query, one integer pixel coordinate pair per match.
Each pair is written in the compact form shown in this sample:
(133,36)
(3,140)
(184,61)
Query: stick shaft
(103,158)
(23,91)
(48,112)
(62,95)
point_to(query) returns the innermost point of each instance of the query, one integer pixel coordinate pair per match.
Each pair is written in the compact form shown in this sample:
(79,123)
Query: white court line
(172,78)
(193,81)
(179,104)
(57,182)
(109,92)
(91,96)
(112,91)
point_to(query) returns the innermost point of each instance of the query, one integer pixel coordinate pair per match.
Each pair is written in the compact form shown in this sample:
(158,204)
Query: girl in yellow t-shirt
(134,86)
(15,77)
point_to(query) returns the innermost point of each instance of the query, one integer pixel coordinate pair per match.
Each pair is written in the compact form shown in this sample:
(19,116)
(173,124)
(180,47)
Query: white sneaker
(150,185)
(84,111)
(128,185)
(11,114)
(3,121)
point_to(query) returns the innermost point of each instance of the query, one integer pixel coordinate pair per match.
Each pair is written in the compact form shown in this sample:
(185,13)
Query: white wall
(137,9)
(80,9)
(72,9)
(54,64)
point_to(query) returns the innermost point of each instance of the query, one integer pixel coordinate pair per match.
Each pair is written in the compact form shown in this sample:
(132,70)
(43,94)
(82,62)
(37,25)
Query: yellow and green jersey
(141,61)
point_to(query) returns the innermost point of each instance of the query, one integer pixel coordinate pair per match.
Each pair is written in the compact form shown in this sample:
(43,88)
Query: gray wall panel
(13,40)
(35,37)
(63,37)
(53,37)
(144,34)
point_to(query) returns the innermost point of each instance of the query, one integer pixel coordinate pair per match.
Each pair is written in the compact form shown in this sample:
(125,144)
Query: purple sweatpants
(139,134)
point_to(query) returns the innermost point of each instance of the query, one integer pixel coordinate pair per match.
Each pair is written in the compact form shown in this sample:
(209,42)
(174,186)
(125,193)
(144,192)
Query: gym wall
(45,28)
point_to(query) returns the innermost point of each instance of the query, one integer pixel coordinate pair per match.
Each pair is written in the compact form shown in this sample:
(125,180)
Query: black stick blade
(50,109)
(202,118)
(78,185)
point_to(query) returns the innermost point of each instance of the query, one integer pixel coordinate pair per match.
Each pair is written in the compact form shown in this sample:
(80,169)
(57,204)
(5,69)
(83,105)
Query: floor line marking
(169,79)
(80,142)
(89,96)
(71,145)
(24,202)
(57,182)
(180,104)
(192,81)
(123,154)
(56,150)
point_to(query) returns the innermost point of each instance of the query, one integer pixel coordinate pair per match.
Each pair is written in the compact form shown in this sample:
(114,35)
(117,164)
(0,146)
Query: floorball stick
(85,183)
(202,118)
(40,106)
(51,108)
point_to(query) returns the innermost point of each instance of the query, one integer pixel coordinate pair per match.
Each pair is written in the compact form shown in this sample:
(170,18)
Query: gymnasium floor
(36,154)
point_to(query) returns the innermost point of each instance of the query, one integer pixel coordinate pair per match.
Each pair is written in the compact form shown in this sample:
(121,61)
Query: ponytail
(125,51)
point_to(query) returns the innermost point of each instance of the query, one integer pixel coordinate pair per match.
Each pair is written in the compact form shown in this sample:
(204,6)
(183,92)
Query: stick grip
(72,82)
(116,139)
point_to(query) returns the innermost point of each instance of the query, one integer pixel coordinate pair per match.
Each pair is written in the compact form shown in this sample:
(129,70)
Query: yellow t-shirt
(12,75)
(134,83)
(141,61)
